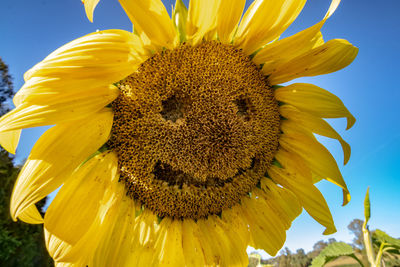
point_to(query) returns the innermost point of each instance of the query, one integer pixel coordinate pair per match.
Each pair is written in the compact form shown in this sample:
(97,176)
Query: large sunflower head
(174,144)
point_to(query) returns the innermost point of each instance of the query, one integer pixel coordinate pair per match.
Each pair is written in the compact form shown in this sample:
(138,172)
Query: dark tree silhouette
(21,244)
(6,87)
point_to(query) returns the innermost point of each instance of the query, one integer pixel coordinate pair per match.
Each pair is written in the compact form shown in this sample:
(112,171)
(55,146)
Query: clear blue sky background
(30,30)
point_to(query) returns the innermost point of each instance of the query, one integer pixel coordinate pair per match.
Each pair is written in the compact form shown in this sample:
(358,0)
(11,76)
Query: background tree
(301,258)
(317,248)
(285,260)
(21,244)
(355,227)
(6,87)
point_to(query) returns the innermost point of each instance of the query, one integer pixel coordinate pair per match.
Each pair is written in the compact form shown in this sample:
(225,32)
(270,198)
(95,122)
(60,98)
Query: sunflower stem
(366,234)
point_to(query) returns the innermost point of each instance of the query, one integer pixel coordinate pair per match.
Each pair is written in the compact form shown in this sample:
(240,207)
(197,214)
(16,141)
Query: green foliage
(332,252)
(21,244)
(387,248)
(391,255)
(6,87)
(381,237)
(367,207)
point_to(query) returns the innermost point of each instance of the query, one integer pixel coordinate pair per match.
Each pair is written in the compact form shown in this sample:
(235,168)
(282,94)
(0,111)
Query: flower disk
(195,129)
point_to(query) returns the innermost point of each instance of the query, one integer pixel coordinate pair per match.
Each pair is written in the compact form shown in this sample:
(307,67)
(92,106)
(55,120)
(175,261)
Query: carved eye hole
(172,109)
(243,105)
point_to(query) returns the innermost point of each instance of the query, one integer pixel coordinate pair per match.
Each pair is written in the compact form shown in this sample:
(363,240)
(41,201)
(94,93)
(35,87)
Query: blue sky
(30,30)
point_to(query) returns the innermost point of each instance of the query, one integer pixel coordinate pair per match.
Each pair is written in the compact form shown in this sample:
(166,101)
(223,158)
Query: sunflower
(173,144)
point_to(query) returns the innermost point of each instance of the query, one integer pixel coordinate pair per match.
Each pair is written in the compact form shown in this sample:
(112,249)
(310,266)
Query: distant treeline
(287,258)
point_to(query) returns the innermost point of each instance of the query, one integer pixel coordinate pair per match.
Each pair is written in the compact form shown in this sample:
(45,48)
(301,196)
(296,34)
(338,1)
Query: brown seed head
(195,128)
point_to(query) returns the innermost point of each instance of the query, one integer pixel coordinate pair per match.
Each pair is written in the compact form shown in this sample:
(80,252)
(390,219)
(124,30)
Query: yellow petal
(60,109)
(233,218)
(264,21)
(74,81)
(314,100)
(145,231)
(309,196)
(150,18)
(145,228)
(104,57)
(205,235)
(317,157)
(201,19)
(228,17)
(46,91)
(283,202)
(229,237)
(64,264)
(55,155)
(215,242)
(78,228)
(169,243)
(332,56)
(332,8)
(277,53)
(115,246)
(90,5)
(75,206)
(313,124)
(9,140)
(84,249)
(192,248)
(293,162)
(179,17)
(220,243)
(55,246)
(266,228)
(142,257)
(31,215)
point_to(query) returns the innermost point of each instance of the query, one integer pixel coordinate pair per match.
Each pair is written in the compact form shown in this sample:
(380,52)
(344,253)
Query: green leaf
(277,163)
(383,237)
(179,17)
(331,252)
(277,86)
(99,151)
(367,207)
